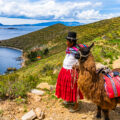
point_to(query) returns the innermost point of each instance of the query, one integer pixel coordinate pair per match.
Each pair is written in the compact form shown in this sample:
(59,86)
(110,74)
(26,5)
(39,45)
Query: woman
(66,87)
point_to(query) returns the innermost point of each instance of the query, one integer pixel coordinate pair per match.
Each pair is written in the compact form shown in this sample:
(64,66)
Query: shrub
(32,55)
(11,87)
(47,74)
(47,67)
(46,51)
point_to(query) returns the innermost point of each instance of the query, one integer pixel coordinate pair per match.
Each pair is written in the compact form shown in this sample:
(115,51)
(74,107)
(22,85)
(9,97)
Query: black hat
(72,36)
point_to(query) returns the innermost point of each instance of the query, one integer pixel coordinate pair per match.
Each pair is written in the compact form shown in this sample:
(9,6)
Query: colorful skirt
(66,87)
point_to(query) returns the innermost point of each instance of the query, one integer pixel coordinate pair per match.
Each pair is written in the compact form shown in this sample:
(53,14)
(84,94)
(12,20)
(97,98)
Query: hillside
(53,36)
(49,36)
(105,34)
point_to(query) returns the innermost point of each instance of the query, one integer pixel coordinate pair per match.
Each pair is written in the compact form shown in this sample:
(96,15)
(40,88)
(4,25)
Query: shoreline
(12,48)
(23,62)
(22,56)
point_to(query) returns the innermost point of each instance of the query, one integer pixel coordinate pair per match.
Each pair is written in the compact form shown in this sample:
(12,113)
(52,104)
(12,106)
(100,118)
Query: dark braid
(74,42)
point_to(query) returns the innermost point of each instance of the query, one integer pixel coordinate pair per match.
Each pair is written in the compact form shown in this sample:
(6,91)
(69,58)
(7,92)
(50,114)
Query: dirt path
(53,108)
(116,63)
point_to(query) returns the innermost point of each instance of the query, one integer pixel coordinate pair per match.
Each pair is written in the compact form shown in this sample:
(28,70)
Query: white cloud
(43,8)
(16,21)
(51,10)
(95,15)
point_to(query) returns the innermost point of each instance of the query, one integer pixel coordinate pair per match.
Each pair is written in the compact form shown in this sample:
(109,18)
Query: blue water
(8,58)
(6,33)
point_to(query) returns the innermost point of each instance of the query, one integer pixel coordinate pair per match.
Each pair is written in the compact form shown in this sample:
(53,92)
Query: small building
(38,57)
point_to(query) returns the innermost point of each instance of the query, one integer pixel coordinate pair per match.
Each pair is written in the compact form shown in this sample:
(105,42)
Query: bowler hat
(72,36)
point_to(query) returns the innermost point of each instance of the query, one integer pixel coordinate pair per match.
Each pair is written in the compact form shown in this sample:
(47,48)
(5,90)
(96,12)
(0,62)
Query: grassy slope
(48,37)
(18,83)
(105,51)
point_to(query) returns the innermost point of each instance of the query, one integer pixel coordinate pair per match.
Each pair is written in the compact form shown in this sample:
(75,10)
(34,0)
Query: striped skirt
(66,87)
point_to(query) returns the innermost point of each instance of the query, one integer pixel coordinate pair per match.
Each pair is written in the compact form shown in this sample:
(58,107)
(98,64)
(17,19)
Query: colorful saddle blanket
(112,84)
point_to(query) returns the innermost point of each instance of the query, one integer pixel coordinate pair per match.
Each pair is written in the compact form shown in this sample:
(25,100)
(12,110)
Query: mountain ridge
(50,23)
(1,24)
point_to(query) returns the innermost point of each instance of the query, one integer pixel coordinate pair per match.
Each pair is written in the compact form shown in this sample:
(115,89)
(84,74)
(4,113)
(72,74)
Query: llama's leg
(98,112)
(106,114)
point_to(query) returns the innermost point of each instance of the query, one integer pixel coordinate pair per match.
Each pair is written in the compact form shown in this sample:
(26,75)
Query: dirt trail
(116,63)
(53,108)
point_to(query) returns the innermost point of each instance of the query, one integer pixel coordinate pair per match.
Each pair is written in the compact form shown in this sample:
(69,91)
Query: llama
(92,84)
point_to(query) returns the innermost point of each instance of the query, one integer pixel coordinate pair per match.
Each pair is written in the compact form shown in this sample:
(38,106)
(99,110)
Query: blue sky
(37,11)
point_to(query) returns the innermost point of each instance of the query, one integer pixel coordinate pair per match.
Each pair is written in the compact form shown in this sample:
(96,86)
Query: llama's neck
(87,76)
(89,68)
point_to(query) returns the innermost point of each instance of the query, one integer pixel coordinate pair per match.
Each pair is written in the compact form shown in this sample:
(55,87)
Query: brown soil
(116,63)
(53,108)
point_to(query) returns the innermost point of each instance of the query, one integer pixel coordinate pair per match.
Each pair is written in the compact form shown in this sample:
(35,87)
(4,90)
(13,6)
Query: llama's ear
(91,45)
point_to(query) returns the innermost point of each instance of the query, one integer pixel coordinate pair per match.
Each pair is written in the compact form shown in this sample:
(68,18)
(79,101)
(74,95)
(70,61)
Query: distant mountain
(56,22)
(1,24)
(51,23)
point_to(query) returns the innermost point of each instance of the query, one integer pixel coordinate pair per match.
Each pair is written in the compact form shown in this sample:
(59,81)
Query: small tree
(33,55)
(46,51)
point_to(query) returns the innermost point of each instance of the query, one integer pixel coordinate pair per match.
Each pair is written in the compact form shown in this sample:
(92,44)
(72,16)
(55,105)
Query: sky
(37,11)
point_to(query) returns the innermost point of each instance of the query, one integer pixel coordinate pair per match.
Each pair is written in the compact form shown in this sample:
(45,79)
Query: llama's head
(83,53)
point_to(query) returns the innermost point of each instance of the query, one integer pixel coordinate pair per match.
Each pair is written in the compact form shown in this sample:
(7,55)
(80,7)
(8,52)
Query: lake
(7,32)
(8,58)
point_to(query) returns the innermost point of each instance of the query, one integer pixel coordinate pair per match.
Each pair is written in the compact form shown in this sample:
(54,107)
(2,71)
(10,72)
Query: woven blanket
(112,85)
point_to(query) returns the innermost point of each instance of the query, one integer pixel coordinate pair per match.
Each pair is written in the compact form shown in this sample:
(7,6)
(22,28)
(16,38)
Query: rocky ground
(44,105)
(50,107)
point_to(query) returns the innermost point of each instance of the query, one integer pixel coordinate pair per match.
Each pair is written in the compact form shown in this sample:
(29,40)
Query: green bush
(47,68)
(47,74)
(11,87)
(46,51)
(32,55)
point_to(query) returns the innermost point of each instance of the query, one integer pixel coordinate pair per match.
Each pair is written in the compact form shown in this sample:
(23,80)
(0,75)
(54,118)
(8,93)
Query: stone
(84,117)
(99,65)
(55,71)
(29,116)
(37,92)
(44,86)
(51,118)
(20,109)
(40,114)
(37,98)
(90,113)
